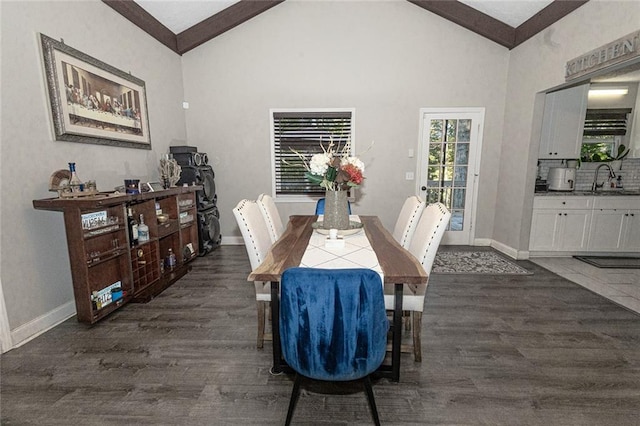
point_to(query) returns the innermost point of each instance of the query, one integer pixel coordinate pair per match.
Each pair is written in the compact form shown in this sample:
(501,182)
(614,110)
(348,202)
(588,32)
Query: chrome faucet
(596,185)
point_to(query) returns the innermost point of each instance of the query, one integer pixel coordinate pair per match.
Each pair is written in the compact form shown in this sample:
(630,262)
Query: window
(603,132)
(598,148)
(304,131)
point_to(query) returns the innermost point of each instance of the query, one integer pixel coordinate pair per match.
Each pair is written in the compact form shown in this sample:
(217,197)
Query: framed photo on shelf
(93,102)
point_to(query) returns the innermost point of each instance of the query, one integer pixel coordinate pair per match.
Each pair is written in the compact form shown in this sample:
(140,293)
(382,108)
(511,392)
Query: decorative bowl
(162,218)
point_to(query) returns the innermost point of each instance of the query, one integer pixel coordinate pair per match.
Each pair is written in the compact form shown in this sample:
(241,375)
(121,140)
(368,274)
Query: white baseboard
(510,251)
(482,242)
(42,324)
(232,241)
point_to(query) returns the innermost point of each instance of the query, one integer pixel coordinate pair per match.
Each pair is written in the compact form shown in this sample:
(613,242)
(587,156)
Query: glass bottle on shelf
(143,230)
(133,227)
(171,259)
(74,183)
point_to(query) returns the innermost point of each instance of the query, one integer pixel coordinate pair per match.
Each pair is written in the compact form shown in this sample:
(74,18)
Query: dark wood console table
(107,270)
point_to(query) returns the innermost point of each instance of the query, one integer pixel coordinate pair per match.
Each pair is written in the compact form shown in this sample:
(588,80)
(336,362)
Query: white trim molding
(5,332)
(42,324)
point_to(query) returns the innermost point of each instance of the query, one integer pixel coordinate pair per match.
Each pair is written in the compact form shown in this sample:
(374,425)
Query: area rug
(613,262)
(475,262)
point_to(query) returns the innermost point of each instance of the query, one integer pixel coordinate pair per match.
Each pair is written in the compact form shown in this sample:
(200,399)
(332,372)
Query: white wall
(534,66)
(36,276)
(386,59)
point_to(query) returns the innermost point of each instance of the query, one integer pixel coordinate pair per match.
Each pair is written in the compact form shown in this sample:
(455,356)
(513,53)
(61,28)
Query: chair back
(320,206)
(333,324)
(408,220)
(428,234)
(271,216)
(254,231)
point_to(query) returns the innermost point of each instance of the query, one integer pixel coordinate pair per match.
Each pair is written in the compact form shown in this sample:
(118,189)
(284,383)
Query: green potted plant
(616,162)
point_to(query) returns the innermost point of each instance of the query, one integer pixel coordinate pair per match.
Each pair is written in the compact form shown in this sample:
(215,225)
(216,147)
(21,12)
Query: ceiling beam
(244,10)
(471,19)
(141,18)
(221,22)
(547,16)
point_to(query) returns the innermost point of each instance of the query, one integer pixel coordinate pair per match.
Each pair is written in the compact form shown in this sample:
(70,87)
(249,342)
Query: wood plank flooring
(497,350)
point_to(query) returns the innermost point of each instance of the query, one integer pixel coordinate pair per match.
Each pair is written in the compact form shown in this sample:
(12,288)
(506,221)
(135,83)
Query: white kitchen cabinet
(606,233)
(615,225)
(560,223)
(632,231)
(563,123)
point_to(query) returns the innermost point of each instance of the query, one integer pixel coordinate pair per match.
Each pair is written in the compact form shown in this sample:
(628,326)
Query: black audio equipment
(191,158)
(209,230)
(196,170)
(200,175)
(182,149)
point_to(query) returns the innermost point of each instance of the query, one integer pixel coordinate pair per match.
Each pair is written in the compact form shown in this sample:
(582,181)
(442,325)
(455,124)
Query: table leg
(397,333)
(275,326)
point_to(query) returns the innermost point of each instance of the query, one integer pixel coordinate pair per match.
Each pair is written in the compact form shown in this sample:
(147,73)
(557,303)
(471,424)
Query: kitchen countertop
(599,193)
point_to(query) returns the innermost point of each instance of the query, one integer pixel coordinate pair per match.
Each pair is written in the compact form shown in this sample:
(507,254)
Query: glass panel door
(448,170)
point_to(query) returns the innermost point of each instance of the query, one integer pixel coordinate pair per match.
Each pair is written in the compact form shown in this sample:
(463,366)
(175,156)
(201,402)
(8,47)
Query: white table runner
(357,252)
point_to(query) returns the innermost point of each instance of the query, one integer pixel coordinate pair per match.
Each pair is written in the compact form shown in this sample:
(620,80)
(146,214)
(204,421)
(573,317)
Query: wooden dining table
(398,267)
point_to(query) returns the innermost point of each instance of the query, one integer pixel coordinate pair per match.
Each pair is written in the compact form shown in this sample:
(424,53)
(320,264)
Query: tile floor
(619,285)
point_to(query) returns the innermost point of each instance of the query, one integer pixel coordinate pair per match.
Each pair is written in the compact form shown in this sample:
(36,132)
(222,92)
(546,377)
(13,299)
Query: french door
(448,166)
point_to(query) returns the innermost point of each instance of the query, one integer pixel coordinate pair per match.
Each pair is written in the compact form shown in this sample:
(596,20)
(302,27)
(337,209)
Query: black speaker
(191,158)
(182,149)
(209,236)
(200,175)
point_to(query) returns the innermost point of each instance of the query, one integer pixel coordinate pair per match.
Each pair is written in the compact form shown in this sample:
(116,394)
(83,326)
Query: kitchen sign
(620,50)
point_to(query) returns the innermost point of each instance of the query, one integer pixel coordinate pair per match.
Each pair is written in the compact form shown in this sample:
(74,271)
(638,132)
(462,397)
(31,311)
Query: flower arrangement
(333,168)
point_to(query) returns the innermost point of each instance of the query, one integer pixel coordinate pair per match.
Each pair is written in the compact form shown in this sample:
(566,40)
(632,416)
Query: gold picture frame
(93,102)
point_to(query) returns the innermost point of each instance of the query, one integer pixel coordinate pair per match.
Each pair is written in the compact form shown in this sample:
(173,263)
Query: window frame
(613,141)
(606,126)
(304,197)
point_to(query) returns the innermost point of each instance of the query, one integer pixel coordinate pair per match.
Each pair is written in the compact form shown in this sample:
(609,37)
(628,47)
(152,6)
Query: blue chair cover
(320,206)
(333,324)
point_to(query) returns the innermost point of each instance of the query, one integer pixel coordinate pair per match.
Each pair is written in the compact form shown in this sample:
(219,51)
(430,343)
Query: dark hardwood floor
(497,350)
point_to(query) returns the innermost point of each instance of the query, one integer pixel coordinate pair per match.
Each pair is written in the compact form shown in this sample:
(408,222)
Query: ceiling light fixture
(609,92)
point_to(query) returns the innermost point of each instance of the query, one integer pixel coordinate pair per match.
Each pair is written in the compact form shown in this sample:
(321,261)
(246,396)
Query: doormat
(475,262)
(613,262)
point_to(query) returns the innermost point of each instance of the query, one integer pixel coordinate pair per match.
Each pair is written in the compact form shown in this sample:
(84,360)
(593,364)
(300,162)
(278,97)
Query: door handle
(424,188)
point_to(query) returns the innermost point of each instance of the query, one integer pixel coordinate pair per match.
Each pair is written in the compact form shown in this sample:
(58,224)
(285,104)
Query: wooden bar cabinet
(107,269)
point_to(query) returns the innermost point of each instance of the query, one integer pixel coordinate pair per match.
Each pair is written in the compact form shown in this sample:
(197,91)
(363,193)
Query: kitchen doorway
(448,166)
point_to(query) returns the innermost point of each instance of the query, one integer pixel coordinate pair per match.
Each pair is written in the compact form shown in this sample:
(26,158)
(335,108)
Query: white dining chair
(271,216)
(257,241)
(424,245)
(408,220)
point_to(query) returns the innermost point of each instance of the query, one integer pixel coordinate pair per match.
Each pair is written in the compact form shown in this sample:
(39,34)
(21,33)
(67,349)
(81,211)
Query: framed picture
(93,102)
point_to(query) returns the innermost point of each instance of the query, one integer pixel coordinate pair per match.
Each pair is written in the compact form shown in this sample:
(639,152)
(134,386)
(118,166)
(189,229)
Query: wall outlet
(408,176)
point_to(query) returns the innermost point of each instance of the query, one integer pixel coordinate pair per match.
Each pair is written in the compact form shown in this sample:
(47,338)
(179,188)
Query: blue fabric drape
(333,324)
(320,206)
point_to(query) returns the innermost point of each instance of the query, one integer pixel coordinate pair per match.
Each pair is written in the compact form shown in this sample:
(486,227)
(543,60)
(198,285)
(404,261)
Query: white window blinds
(304,132)
(606,122)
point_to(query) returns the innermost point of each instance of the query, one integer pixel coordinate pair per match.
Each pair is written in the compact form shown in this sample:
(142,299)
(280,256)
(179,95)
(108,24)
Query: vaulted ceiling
(490,19)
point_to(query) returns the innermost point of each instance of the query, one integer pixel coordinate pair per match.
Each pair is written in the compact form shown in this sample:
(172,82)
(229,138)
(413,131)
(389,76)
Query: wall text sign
(620,50)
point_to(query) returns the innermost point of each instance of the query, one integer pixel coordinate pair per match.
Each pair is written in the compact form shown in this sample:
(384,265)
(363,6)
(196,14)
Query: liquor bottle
(171,259)
(143,230)
(133,228)
(74,183)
